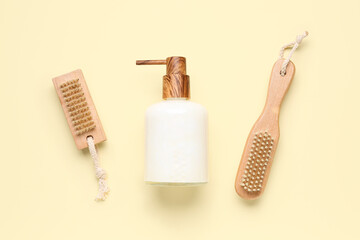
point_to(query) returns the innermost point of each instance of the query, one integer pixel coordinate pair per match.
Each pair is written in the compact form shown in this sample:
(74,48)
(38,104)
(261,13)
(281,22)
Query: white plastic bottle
(176,132)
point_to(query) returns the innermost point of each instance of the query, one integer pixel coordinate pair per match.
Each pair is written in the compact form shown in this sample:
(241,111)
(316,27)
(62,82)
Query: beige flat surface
(48,186)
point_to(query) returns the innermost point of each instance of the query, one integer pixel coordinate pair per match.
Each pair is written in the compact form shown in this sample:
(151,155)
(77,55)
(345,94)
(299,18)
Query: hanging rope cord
(100,173)
(294,46)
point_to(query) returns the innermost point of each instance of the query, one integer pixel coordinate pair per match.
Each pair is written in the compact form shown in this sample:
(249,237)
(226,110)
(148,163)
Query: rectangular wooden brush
(79,108)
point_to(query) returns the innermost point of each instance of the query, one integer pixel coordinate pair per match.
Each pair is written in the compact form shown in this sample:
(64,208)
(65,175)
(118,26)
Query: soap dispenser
(176,131)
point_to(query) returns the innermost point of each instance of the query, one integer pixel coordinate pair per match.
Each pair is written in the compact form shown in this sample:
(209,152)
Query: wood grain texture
(98,132)
(150,62)
(176,84)
(269,122)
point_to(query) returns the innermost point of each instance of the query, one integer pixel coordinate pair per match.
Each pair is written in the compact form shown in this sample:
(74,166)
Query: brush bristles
(257,162)
(77,106)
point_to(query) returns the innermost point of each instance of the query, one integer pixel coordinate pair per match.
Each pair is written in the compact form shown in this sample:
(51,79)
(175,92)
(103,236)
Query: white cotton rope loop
(294,46)
(100,173)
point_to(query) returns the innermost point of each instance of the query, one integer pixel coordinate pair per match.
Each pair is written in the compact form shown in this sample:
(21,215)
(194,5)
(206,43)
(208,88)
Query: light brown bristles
(79,108)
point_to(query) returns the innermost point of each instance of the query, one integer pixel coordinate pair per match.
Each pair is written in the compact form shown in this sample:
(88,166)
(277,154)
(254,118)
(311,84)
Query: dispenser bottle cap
(176,84)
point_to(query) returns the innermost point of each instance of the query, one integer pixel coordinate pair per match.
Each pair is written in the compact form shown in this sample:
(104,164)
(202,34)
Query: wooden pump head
(176,84)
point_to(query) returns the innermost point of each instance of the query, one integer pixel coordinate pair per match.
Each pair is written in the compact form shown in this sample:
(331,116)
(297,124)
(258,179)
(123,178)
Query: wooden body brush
(262,141)
(82,119)
(260,147)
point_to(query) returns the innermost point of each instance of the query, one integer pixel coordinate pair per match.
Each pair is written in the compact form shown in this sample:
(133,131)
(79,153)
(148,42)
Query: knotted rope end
(294,46)
(99,172)
(300,37)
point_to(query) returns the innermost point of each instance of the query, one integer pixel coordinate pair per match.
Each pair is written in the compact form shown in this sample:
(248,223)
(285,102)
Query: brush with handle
(260,147)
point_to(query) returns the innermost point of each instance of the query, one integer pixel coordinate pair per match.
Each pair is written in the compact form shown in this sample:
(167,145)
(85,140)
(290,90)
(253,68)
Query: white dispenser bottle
(176,131)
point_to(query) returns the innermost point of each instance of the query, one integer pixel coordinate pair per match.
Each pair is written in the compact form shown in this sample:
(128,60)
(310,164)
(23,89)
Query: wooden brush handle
(262,141)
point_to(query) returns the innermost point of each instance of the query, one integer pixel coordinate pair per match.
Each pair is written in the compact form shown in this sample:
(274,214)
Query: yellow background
(47,186)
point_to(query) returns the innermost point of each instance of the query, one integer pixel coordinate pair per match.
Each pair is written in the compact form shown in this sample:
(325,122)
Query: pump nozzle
(150,62)
(175,82)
